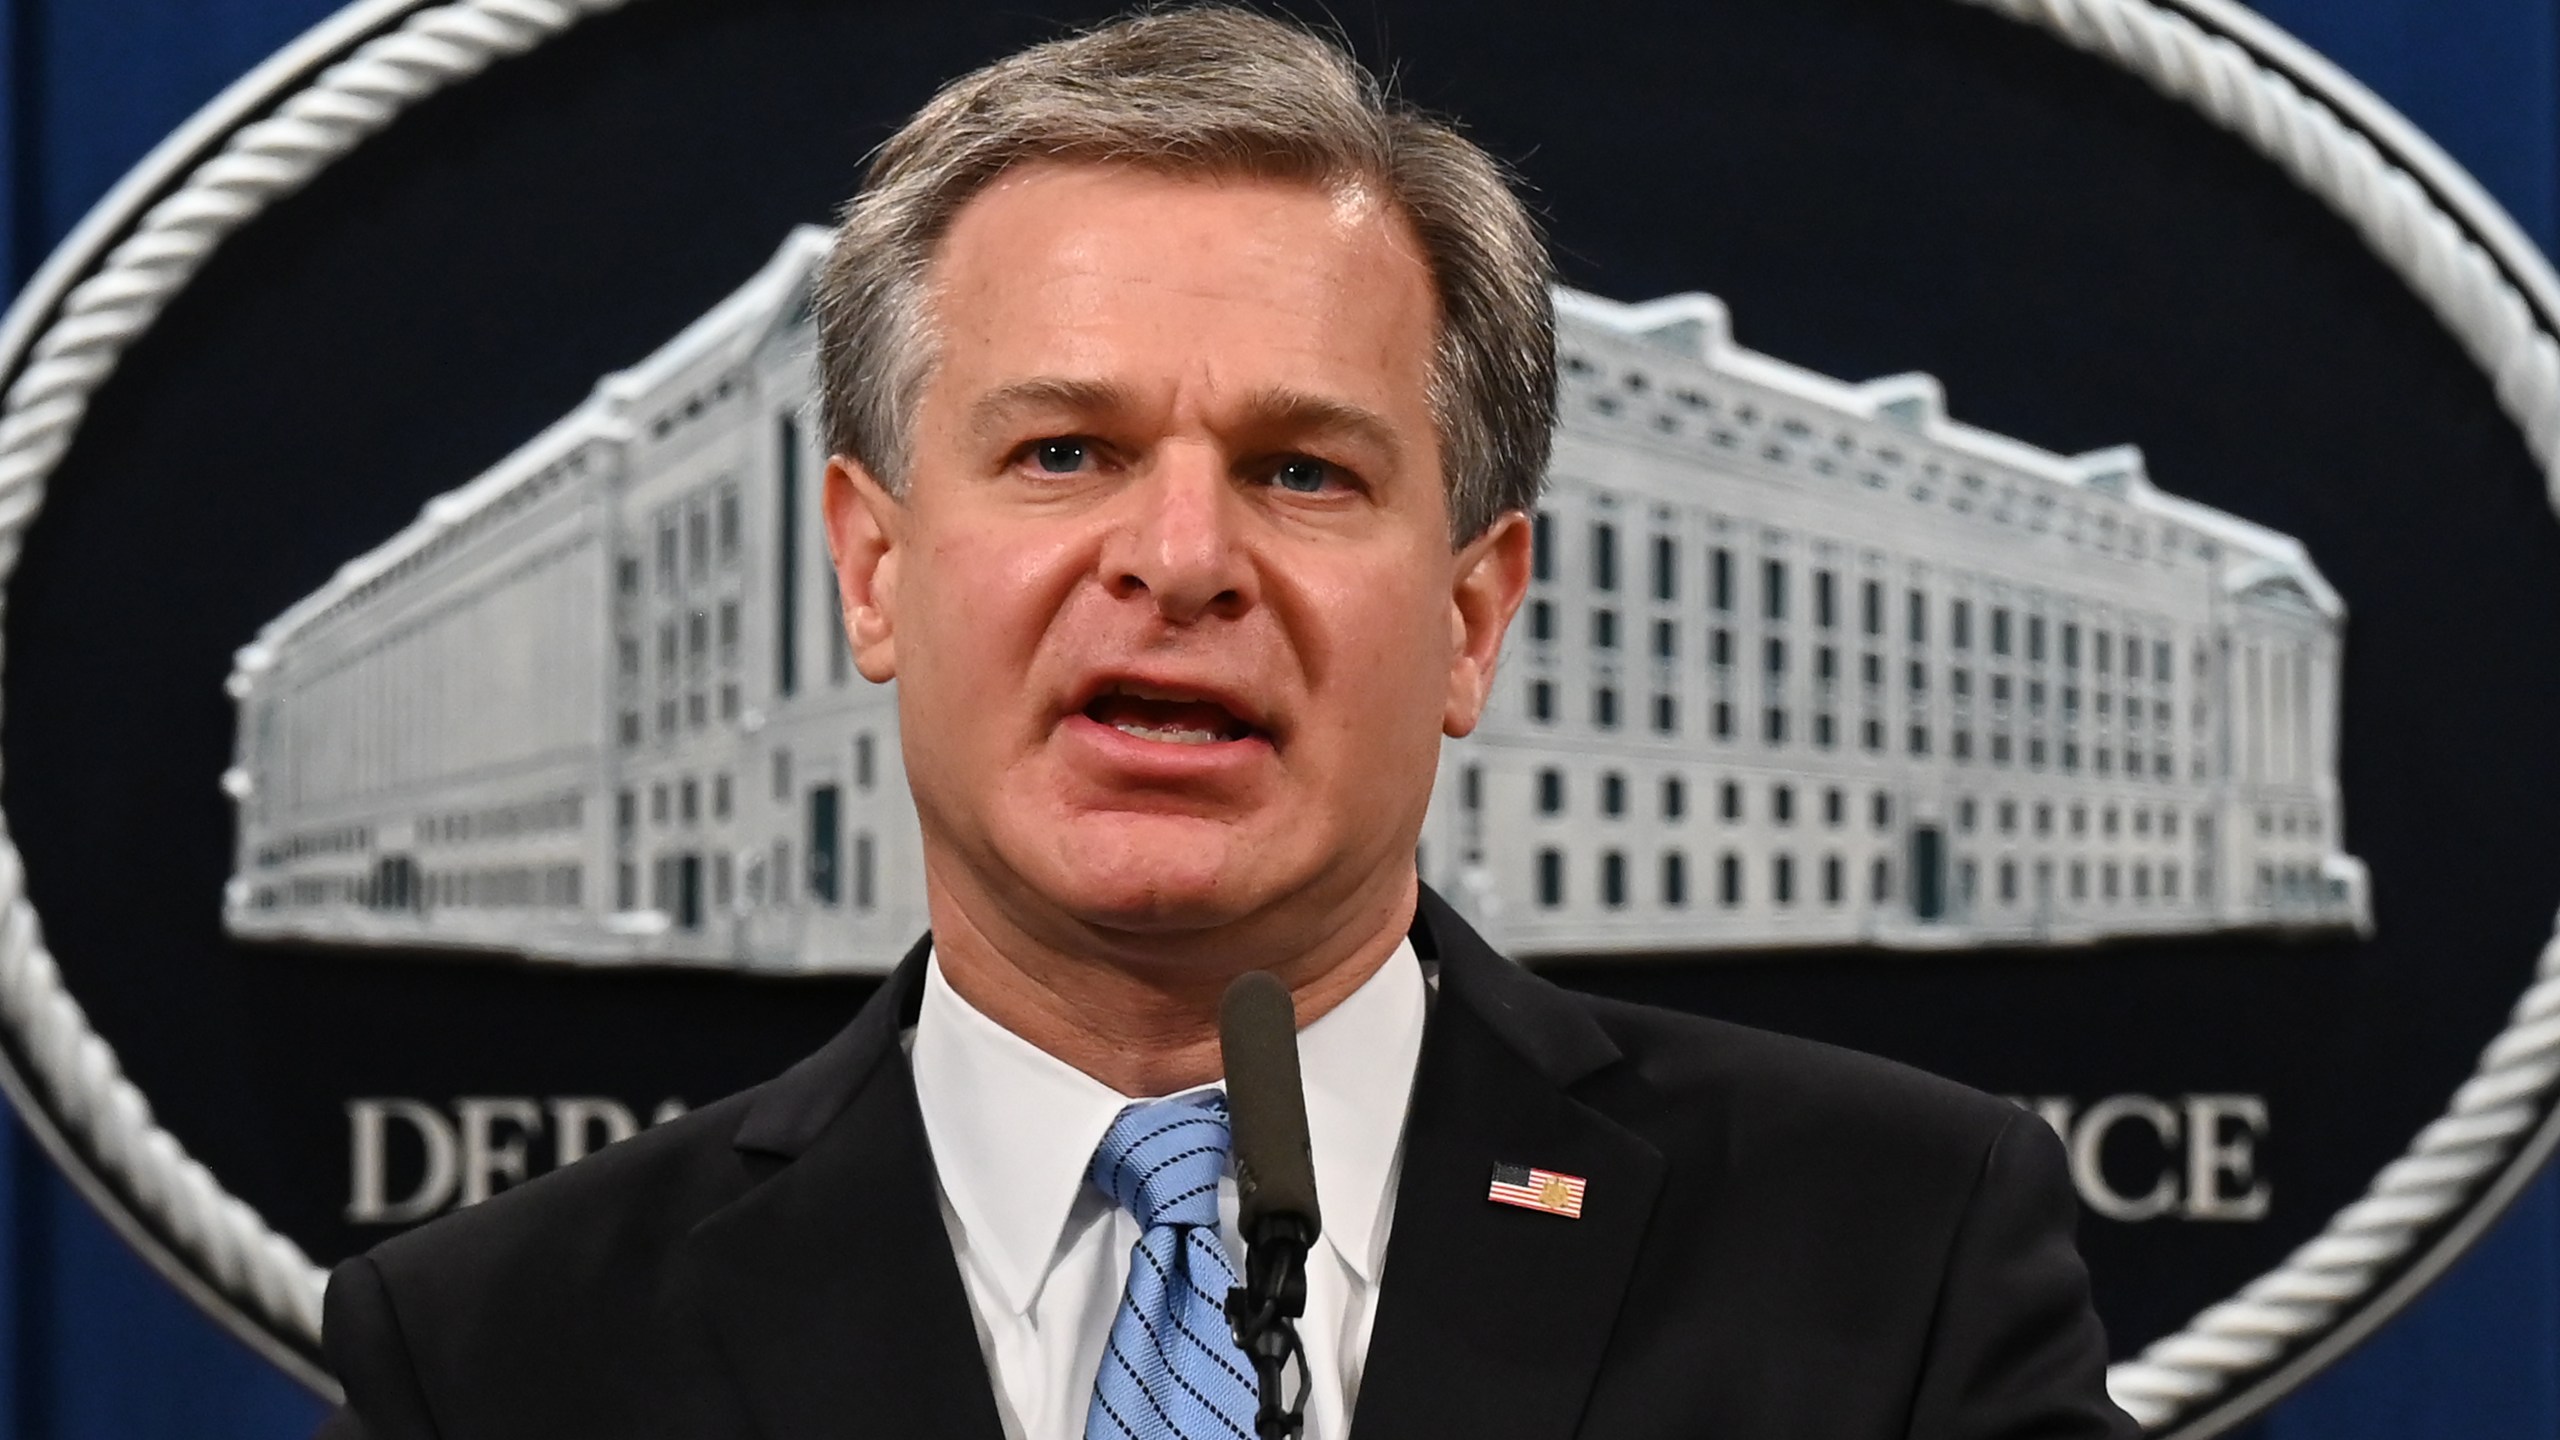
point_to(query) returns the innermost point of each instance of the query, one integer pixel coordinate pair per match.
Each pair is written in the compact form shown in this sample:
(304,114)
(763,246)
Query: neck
(1139,1013)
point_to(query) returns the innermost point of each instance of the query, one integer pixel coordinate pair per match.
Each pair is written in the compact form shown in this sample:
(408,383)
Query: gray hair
(1218,91)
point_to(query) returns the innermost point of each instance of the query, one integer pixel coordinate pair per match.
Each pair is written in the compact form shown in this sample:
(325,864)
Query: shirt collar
(1012,1127)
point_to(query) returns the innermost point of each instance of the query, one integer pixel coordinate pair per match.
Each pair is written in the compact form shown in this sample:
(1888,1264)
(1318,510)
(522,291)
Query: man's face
(1169,594)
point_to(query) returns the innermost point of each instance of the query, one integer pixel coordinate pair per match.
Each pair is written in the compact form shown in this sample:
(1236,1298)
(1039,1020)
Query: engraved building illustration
(1804,663)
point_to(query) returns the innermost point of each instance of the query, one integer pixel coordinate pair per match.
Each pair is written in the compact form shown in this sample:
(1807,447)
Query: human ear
(862,536)
(1492,577)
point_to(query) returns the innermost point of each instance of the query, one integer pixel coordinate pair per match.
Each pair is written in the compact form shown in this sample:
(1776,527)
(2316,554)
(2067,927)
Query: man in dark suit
(1187,399)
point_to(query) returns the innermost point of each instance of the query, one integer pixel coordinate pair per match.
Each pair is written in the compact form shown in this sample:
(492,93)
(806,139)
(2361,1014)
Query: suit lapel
(1492,1320)
(831,1286)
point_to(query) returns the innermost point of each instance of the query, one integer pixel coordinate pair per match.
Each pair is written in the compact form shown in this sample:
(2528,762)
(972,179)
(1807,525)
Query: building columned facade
(1803,663)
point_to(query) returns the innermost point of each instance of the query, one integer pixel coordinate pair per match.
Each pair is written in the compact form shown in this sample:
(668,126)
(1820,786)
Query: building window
(720,804)
(1919,739)
(1918,605)
(1880,810)
(1551,791)
(1724,720)
(1834,879)
(1675,798)
(697,541)
(1666,640)
(729,700)
(728,509)
(825,882)
(1835,806)
(1782,879)
(2070,647)
(1960,744)
(1613,794)
(658,803)
(1782,804)
(626,886)
(1542,700)
(1666,715)
(1960,624)
(1720,578)
(1550,878)
(1675,879)
(863,776)
(667,553)
(2008,882)
(1729,801)
(728,632)
(1729,880)
(2101,651)
(1542,546)
(2035,639)
(1666,568)
(626,578)
(1720,648)
(724,880)
(1871,601)
(1471,787)
(1773,729)
(2132,662)
(1604,706)
(1824,728)
(1826,599)
(1773,589)
(1604,629)
(1613,879)
(689,806)
(630,727)
(863,863)
(1542,620)
(1873,733)
(1604,556)
(1774,656)
(1880,881)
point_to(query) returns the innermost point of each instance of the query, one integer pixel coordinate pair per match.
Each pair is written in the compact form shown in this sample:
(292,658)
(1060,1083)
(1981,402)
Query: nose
(1182,545)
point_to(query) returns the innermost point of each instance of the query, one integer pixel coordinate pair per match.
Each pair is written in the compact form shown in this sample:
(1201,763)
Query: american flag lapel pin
(1533,1189)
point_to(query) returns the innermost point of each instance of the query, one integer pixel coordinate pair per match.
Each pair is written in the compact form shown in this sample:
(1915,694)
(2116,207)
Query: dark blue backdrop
(94,1345)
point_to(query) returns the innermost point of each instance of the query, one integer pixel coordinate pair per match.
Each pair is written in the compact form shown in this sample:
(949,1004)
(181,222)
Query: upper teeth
(1176,734)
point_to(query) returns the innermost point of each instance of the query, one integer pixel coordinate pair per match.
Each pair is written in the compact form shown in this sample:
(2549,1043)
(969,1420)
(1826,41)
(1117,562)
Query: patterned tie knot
(1162,1159)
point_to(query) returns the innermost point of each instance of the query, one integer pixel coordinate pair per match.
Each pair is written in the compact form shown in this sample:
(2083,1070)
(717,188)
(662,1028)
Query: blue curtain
(94,1345)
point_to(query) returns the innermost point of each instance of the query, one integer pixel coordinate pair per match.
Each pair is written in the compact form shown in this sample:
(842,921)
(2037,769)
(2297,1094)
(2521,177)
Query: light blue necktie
(1172,1370)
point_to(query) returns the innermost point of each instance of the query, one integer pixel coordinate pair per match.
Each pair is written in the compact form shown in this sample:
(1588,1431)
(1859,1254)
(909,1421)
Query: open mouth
(1167,717)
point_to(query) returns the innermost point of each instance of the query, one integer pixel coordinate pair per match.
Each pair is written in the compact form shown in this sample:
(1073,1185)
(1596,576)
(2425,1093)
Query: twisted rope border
(260,161)
(2413,207)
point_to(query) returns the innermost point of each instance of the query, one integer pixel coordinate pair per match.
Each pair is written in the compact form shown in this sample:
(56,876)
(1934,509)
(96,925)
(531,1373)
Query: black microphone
(1275,1188)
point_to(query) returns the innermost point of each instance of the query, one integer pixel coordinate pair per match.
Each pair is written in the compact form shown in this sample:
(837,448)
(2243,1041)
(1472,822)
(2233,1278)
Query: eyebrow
(1276,408)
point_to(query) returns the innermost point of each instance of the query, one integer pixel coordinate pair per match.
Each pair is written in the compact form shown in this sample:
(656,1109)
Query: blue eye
(1059,457)
(1303,476)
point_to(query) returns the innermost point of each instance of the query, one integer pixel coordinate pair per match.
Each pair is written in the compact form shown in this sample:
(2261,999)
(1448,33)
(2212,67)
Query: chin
(1159,874)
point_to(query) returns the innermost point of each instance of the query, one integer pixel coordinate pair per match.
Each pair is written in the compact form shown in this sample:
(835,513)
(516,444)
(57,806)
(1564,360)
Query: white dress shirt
(1044,1256)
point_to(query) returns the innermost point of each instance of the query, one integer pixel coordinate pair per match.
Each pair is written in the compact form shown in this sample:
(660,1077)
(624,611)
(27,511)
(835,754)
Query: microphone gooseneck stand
(1275,1192)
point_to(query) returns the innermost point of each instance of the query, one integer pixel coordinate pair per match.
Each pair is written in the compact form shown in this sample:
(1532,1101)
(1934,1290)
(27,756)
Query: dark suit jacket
(1779,1239)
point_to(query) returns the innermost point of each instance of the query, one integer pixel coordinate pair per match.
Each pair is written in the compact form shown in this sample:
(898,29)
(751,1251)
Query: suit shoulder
(1780,1088)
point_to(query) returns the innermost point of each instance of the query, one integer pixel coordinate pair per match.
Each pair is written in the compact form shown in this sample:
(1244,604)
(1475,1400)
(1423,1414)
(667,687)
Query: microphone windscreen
(1266,1105)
